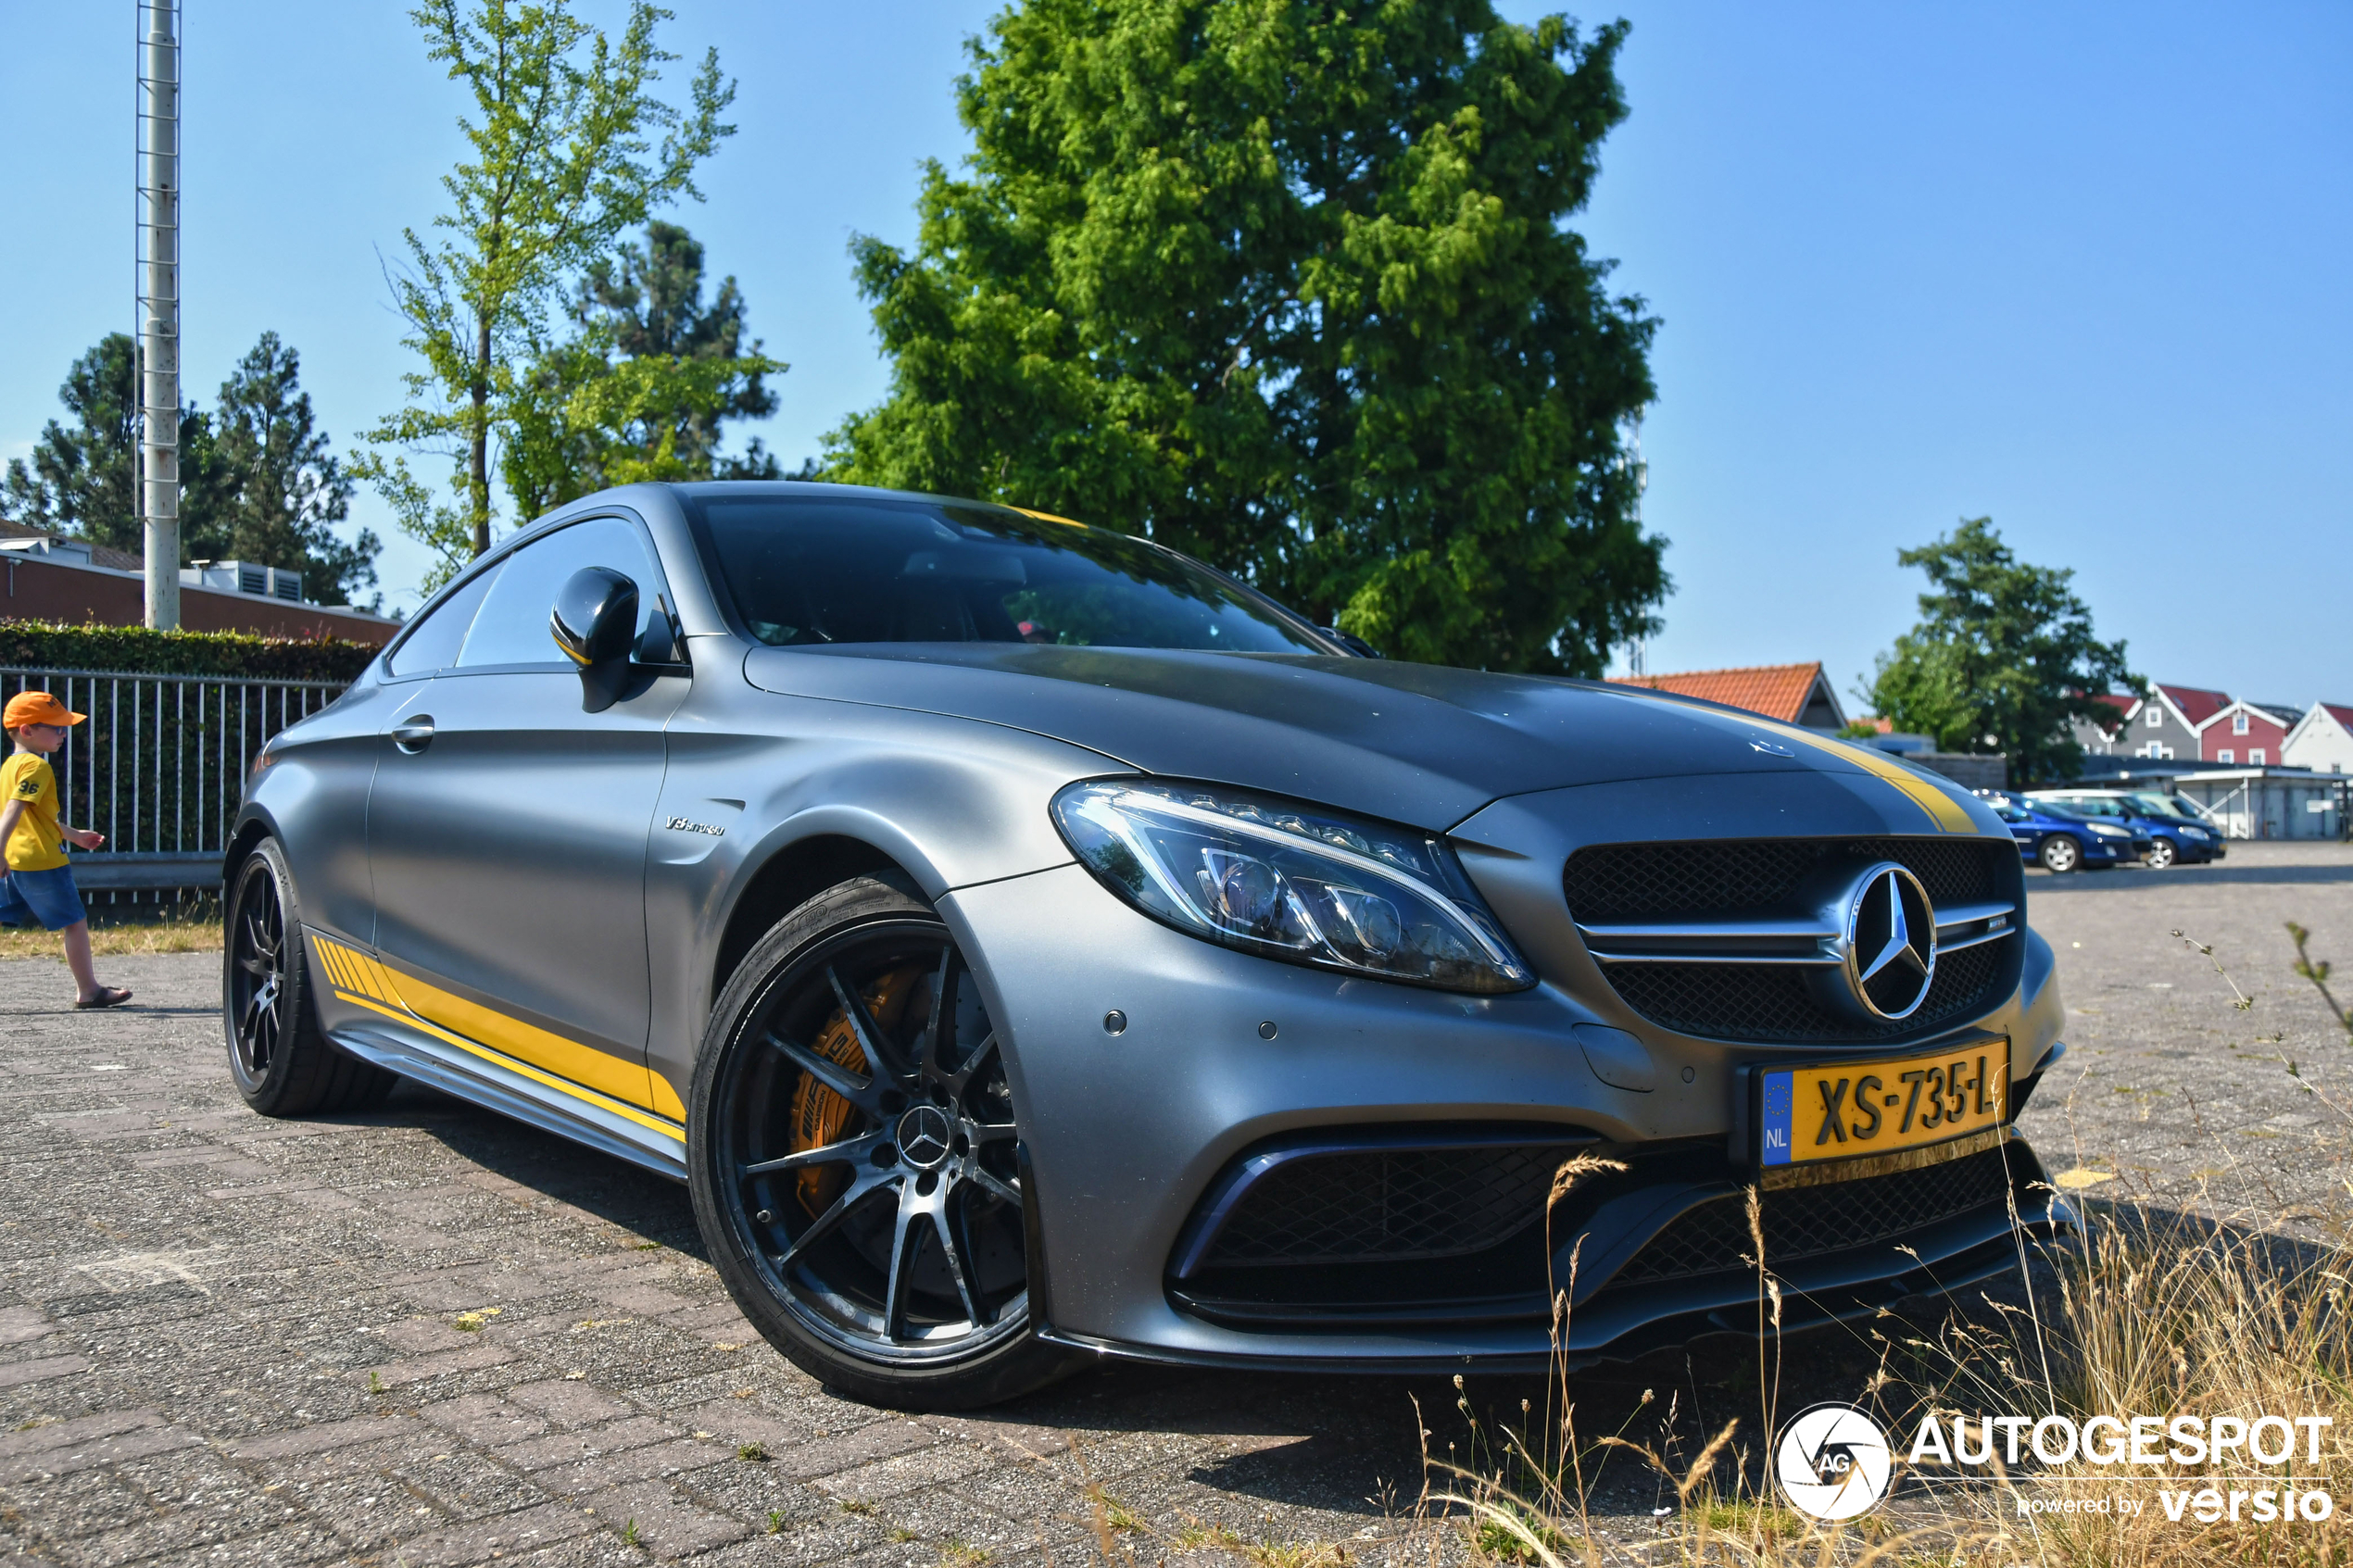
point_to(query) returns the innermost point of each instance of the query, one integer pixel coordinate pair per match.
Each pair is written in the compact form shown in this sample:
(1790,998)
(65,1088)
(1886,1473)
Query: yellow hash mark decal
(605,1081)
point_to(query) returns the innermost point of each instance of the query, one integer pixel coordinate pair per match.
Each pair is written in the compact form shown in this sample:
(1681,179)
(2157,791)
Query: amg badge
(683,826)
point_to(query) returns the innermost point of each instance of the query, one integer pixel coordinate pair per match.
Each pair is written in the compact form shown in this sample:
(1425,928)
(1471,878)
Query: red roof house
(1796,694)
(2242,735)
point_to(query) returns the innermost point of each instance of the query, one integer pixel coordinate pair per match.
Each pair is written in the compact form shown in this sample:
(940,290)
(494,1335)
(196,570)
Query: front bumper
(1222,1054)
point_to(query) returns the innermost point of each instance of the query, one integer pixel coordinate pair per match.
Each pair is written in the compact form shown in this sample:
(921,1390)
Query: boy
(39,885)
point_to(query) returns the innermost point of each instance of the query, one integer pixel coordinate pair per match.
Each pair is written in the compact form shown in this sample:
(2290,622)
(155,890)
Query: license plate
(1838,1110)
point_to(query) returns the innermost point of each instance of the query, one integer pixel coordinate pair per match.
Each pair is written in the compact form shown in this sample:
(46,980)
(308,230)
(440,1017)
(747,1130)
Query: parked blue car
(2060,840)
(2177,834)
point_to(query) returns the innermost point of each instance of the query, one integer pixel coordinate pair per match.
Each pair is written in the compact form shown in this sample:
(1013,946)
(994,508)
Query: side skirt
(362,1011)
(510,1093)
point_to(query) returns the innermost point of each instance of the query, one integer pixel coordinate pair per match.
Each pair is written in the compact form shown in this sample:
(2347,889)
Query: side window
(512,627)
(433,643)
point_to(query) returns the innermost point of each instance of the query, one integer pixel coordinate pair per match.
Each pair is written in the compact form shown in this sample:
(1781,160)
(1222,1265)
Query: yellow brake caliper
(819,1114)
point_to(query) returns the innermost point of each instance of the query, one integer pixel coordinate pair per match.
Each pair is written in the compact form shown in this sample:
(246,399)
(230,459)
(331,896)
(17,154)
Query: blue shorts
(49,898)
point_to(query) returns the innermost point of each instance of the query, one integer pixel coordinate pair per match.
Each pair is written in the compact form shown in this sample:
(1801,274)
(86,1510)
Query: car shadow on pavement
(611,1189)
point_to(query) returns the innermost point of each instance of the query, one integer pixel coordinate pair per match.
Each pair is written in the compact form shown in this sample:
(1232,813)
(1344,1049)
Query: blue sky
(2081,268)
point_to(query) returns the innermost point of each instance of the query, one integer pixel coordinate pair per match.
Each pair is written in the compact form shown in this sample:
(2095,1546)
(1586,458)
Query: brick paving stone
(319,1436)
(669,1525)
(517,1533)
(14,1372)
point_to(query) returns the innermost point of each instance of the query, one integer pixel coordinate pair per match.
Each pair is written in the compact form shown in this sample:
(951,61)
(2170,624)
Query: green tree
(562,160)
(584,419)
(2003,657)
(83,479)
(652,302)
(1292,288)
(280,491)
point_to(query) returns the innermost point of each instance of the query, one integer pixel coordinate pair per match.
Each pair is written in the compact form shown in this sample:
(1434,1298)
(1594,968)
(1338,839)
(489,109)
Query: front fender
(952,803)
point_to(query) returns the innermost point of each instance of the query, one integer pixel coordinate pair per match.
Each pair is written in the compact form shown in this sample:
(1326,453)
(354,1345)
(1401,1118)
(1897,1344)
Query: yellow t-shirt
(35,846)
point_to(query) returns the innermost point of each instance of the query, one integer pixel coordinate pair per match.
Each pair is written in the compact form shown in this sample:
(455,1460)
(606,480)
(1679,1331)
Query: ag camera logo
(1833,1462)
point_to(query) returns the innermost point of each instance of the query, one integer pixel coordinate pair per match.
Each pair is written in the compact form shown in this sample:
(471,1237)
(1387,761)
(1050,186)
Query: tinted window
(432,644)
(2009,813)
(868,571)
(512,627)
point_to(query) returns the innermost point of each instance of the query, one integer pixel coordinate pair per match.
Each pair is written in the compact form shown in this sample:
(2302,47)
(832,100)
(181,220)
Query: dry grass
(197,931)
(2155,1312)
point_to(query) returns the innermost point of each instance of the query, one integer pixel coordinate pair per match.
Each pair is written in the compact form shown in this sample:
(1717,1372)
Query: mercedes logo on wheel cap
(1887,943)
(924,1134)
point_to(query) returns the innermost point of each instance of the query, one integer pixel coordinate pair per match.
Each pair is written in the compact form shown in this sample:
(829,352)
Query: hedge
(53,645)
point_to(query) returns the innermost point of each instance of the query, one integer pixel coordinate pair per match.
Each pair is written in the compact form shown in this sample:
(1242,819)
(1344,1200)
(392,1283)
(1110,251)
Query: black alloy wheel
(855,1163)
(2061,853)
(283,1065)
(2160,856)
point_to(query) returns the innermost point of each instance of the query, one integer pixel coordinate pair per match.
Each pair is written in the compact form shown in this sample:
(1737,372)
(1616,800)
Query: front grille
(1809,1221)
(1731,880)
(1771,1002)
(1619,884)
(1366,1206)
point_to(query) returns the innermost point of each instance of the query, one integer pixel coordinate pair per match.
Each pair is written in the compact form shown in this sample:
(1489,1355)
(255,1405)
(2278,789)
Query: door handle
(414,734)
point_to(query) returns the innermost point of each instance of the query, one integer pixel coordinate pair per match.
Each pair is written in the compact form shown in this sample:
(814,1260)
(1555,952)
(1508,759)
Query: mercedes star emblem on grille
(1890,942)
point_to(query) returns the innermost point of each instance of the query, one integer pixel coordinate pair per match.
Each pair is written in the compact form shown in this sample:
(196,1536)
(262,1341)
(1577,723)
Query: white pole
(158,151)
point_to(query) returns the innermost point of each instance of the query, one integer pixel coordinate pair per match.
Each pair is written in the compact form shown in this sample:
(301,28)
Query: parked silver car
(1027,941)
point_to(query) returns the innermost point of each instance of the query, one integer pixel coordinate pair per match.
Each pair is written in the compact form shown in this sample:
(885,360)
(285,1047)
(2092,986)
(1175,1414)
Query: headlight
(2106,831)
(2198,833)
(1291,882)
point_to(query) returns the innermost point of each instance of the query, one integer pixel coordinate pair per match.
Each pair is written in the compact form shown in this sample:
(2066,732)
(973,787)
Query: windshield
(857,571)
(2163,806)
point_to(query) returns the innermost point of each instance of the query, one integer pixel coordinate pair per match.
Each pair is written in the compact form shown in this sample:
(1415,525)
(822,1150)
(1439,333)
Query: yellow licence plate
(1849,1107)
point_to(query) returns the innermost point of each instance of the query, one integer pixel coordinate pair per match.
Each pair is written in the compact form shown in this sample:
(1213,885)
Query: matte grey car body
(537,907)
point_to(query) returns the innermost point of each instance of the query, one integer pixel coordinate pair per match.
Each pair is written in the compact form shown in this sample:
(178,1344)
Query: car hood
(1413,743)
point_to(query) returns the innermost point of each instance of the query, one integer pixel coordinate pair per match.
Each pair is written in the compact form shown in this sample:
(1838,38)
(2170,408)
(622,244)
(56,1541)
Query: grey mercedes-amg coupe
(1025,941)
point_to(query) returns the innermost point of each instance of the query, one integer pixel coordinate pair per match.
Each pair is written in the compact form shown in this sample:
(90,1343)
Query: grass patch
(116,932)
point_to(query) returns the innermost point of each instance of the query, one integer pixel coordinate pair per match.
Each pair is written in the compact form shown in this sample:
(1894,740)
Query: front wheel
(854,1159)
(2160,855)
(282,1063)
(2061,853)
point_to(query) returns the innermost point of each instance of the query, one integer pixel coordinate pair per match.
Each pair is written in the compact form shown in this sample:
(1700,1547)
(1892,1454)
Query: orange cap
(38,708)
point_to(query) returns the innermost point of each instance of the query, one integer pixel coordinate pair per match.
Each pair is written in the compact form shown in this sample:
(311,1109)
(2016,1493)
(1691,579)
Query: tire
(282,1063)
(2161,856)
(2060,854)
(871,1224)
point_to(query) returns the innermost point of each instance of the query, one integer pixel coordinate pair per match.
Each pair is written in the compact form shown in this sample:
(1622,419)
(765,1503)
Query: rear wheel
(854,1158)
(2061,853)
(282,1063)
(2160,854)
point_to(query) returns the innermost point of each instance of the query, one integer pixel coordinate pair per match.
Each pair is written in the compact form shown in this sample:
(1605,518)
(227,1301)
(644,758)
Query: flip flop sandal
(112,997)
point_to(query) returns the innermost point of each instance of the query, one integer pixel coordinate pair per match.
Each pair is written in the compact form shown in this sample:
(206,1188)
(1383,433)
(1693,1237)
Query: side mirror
(595,622)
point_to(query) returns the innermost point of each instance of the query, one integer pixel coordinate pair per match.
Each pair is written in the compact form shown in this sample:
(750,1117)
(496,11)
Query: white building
(2321,740)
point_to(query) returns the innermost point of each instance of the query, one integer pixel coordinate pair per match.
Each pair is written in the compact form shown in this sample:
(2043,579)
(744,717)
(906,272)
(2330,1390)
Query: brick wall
(41,590)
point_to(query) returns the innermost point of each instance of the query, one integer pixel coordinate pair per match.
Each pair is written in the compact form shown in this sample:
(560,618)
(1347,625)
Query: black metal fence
(161,766)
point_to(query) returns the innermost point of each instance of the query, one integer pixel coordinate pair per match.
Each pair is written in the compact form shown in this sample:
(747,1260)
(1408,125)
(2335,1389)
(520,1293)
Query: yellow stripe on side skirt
(602,1102)
(607,1081)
